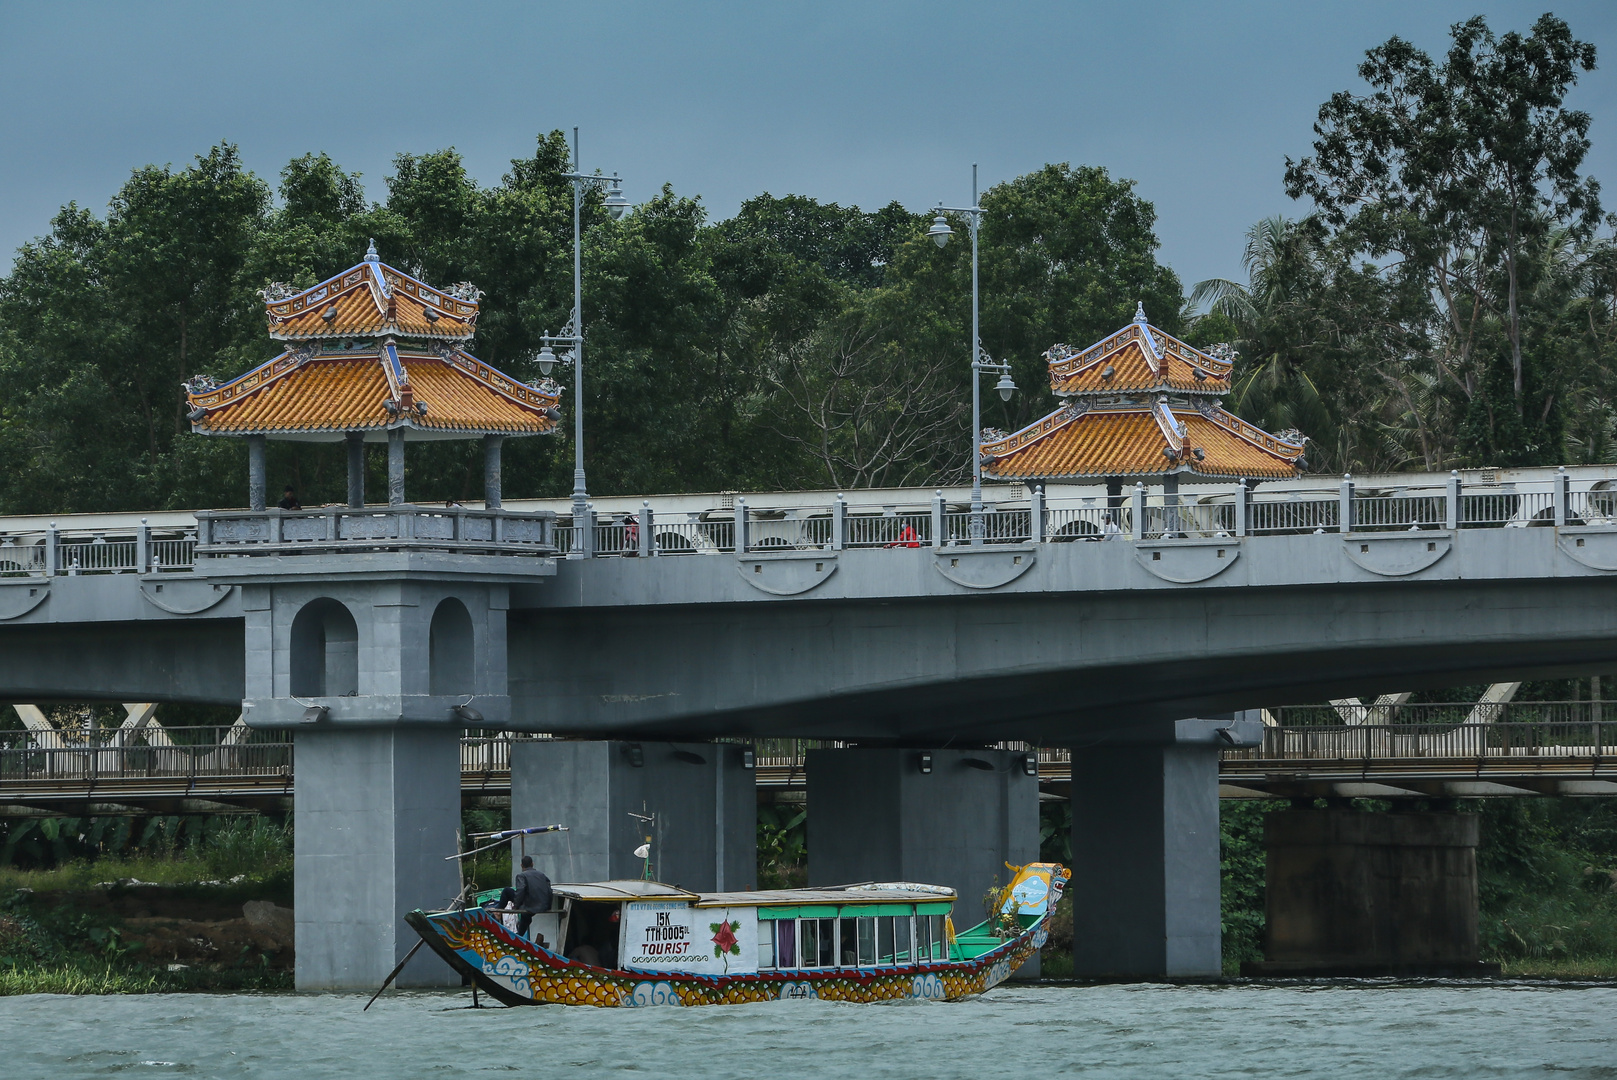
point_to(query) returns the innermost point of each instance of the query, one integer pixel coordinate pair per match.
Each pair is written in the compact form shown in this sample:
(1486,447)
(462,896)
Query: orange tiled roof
(310,395)
(1138,358)
(1134,441)
(369,300)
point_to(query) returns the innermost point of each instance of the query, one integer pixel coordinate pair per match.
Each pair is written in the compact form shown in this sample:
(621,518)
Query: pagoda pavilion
(372,355)
(1140,405)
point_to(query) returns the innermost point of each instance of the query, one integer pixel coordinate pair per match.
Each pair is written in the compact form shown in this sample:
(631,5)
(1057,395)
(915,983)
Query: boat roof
(623,890)
(869,892)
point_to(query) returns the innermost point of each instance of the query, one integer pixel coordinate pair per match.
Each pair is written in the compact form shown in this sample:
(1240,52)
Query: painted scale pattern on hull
(519,973)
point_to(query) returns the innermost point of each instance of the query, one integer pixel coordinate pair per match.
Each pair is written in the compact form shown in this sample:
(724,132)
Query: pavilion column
(395,467)
(255,472)
(1170,504)
(356,470)
(491,470)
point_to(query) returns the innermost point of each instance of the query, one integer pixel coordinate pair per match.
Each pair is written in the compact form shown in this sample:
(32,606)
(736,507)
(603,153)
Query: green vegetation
(782,846)
(1448,300)
(68,937)
(797,344)
(69,852)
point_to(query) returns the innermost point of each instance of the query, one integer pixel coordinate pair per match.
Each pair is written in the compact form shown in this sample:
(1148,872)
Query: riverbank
(131,936)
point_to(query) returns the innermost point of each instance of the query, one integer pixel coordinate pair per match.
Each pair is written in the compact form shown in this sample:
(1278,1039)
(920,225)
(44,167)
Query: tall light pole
(572,335)
(980,360)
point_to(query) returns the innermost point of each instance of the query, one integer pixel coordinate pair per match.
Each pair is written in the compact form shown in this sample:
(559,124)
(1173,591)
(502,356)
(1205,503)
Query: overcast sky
(858,103)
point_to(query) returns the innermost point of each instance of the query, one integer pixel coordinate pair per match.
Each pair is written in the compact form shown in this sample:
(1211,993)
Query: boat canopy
(892,892)
(883,892)
(622,890)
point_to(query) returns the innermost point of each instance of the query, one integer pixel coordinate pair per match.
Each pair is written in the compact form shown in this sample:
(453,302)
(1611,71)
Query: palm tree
(1273,386)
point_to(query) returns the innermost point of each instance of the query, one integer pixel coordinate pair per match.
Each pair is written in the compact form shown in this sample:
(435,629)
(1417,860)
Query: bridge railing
(148,753)
(50,552)
(497,531)
(1384,742)
(1200,510)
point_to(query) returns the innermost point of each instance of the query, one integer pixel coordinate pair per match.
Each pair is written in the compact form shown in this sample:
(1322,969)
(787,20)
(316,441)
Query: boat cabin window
(851,941)
(928,937)
(867,941)
(819,942)
(786,943)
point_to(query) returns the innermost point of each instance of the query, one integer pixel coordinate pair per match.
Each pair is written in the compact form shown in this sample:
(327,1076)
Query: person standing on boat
(532,895)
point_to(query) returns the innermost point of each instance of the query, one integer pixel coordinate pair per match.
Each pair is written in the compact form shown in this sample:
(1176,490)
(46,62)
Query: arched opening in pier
(325,651)
(450,649)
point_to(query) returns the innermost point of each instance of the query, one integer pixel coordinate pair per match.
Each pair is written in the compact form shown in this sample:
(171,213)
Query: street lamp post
(571,337)
(980,360)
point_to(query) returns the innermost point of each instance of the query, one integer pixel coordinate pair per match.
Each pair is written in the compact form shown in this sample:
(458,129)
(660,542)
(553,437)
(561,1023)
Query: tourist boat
(630,943)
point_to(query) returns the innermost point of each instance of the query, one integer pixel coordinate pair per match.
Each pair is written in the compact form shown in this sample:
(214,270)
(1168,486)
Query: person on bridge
(631,535)
(907,537)
(532,895)
(289,500)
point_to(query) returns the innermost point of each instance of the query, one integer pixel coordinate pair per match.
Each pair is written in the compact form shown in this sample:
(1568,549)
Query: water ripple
(1339,1030)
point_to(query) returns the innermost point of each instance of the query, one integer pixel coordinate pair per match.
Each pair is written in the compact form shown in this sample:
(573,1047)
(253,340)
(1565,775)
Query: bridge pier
(378,661)
(375,812)
(701,796)
(1145,882)
(942,817)
(1371,894)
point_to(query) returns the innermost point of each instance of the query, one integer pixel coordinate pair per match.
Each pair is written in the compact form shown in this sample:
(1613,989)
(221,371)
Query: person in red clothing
(907,537)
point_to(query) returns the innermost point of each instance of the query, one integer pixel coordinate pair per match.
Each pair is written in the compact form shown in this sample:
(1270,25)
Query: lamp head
(546,360)
(1005,387)
(940,231)
(615,201)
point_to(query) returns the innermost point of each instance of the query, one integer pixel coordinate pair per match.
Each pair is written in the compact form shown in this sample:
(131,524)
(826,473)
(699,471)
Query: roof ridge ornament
(370,252)
(1139,312)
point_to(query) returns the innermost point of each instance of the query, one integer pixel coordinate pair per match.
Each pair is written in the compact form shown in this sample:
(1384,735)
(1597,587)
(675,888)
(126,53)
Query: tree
(1450,174)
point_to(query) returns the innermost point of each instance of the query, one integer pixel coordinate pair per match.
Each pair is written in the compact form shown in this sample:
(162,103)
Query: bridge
(897,620)
(1524,749)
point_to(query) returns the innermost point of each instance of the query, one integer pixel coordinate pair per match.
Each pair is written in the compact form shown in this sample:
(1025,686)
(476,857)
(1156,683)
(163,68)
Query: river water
(1328,1030)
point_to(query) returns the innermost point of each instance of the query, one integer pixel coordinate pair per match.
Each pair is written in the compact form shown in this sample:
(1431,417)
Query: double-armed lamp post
(980,360)
(571,339)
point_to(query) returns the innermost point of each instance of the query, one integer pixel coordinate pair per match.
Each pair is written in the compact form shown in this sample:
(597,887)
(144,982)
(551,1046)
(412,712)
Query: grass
(1582,968)
(188,869)
(115,978)
(68,979)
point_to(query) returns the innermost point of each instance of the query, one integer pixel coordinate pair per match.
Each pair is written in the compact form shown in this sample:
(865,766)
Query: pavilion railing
(224,533)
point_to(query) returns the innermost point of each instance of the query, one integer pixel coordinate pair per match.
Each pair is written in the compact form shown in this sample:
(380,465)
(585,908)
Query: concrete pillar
(705,801)
(1170,505)
(1367,894)
(491,470)
(356,469)
(1145,884)
(255,472)
(395,467)
(375,812)
(875,816)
